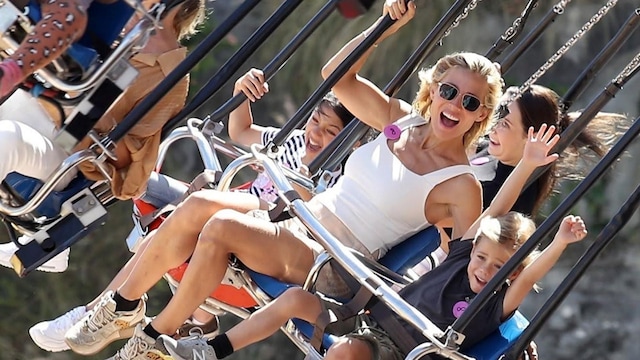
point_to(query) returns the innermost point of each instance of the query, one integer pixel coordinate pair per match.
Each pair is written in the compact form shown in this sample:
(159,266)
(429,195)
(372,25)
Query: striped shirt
(293,150)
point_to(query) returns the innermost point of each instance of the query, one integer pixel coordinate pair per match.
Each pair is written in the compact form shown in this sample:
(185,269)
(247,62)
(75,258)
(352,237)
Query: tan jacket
(143,140)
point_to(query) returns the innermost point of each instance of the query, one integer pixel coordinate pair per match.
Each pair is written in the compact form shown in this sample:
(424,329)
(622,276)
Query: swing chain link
(559,7)
(467,9)
(555,57)
(511,30)
(631,67)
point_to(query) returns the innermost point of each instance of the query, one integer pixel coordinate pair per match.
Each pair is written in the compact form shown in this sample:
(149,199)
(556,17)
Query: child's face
(508,137)
(487,257)
(322,127)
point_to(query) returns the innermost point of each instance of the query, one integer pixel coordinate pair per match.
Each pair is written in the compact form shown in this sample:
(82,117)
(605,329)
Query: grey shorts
(380,343)
(329,282)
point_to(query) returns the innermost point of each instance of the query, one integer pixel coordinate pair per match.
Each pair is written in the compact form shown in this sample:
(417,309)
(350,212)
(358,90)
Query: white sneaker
(57,264)
(49,335)
(104,325)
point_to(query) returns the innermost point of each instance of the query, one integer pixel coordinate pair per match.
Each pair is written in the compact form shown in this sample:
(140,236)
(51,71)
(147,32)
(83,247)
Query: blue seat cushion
(25,187)
(411,251)
(494,345)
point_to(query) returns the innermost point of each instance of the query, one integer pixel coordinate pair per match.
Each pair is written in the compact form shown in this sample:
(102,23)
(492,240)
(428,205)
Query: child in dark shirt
(442,294)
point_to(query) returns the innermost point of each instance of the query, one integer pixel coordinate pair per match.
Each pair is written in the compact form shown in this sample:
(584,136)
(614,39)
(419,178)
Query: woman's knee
(222,229)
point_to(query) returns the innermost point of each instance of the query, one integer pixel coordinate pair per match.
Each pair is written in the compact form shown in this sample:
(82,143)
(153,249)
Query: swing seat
(400,258)
(144,206)
(23,188)
(494,345)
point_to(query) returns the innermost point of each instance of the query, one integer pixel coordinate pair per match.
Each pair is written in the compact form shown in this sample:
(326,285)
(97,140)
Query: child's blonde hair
(191,14)
(511,231)
(470,61)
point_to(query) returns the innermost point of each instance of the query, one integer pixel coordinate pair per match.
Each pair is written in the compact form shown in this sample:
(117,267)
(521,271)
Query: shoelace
(68,319)
(100,316)
(195,332)
(134,347)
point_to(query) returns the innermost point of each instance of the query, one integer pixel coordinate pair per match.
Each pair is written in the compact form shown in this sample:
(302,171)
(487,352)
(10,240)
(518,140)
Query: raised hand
(400,10)
(539,144)
(572,229)
(252,84)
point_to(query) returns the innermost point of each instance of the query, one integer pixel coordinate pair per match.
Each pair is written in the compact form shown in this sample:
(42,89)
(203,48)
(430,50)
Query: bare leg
(293,303)
(176,238)
(124,272)
(347,348)
(250,240)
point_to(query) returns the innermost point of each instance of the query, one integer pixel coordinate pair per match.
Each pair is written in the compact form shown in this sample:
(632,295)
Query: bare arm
(571,230)
(363,98)
(241,126)
(535,154)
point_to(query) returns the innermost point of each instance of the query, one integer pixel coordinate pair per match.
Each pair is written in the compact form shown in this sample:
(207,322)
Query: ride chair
(94,71)
(243,290)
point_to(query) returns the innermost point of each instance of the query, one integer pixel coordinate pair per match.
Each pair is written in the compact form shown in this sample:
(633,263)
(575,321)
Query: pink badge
(459,308)
(480,160)
(392,132)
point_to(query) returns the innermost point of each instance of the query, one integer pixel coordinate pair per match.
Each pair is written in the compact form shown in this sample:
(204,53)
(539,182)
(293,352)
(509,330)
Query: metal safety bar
(343,256)
(48,186)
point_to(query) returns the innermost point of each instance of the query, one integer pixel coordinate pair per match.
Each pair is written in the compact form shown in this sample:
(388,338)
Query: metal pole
(179,72)
(338,149)
(227,70)
(279,60)
(512,33)
(603,57)
(619,220)
(520,48)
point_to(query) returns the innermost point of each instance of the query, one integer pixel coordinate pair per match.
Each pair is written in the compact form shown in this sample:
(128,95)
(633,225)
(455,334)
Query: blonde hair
(470,61)
(511,231)
(191,13)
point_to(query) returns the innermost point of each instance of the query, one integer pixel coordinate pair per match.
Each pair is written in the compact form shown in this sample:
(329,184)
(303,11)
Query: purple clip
(392,132)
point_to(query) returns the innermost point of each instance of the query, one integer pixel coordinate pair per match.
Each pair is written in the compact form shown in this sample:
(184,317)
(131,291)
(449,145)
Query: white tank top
(378,198)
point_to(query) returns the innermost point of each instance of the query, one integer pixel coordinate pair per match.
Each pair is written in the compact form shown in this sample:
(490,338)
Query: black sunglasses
(449,92)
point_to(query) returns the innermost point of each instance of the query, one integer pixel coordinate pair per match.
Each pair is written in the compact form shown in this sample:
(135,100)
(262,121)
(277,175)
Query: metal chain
(555,57)
(631,67)
(511,30)
(467,9)
(559,7)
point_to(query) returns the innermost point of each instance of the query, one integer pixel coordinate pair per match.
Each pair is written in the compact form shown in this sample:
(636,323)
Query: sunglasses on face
(449,92)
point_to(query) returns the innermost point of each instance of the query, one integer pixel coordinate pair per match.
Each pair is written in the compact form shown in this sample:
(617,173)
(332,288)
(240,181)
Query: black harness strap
(339,313)
(280,211)
(392,326)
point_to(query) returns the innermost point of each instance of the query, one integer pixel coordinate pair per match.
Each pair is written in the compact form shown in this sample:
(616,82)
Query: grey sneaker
(194,347)
(103,325)
(140,347)
(210,329)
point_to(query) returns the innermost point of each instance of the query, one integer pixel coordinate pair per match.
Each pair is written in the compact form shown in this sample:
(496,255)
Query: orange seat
(225,293)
